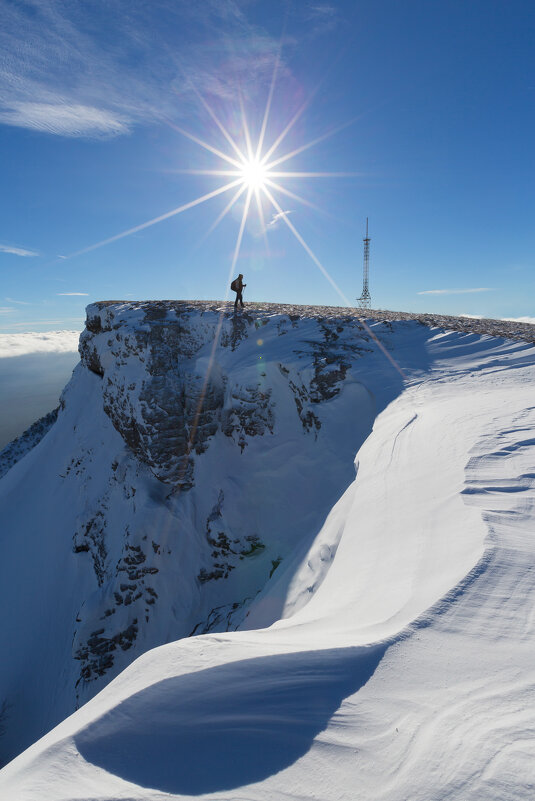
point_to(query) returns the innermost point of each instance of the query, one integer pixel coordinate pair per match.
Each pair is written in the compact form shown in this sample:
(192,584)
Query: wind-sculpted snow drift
(201,481)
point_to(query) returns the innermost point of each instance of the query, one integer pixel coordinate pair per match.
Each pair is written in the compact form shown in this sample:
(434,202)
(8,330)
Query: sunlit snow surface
(402,665)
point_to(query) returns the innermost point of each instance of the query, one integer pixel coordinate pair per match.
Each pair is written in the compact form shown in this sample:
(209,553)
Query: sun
(254,174)
(254,170)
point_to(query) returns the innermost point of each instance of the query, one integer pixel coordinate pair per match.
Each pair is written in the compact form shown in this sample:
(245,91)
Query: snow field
(402,665)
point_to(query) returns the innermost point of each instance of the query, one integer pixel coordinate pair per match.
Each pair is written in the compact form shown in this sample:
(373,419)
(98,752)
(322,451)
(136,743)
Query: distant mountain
(200,480)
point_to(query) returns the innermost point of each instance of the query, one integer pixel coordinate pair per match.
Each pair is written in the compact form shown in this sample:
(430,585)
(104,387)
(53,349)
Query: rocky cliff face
(195,452)
(193,389)
(170,409)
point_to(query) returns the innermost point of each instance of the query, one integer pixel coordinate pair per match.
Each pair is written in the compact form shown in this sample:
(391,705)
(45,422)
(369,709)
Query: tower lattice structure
(365,300)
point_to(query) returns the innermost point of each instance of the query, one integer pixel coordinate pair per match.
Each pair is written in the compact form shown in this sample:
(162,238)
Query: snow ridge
(20,446)
(378,633)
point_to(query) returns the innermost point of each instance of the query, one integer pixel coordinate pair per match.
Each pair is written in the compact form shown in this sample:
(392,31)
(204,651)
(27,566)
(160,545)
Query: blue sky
(431,110)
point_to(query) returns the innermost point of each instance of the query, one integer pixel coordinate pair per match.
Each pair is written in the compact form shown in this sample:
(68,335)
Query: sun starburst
(252,168)
(254,171)
(254,174)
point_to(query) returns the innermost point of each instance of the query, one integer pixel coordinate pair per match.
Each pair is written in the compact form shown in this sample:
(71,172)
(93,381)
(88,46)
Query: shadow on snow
(226,726)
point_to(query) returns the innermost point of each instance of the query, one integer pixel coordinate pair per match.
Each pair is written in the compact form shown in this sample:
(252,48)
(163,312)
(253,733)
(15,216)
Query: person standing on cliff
(238,286)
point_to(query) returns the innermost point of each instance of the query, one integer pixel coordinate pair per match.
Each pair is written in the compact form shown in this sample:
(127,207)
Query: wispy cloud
(66,119)
(6,310)
(456,291)
(70,294)
(16,251)
(324,16)
(60,75)
(278,217)
(31,342)
(18,302)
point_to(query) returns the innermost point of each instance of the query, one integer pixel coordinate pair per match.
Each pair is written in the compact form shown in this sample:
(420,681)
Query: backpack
(235,285)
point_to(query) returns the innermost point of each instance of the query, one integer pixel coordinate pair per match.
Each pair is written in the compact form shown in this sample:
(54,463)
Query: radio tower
(365,300)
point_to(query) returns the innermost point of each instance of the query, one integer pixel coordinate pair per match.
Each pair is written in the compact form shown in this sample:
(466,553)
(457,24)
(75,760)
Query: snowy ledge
(507,329)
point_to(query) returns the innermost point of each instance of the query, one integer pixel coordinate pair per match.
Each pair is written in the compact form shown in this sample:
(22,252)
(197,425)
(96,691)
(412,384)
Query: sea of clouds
(34,368)
(31,342)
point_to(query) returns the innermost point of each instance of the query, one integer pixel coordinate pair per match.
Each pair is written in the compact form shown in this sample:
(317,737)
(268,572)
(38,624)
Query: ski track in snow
(402,665)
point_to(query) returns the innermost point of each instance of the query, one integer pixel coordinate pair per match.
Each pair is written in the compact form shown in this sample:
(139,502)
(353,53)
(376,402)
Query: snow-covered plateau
(286,553)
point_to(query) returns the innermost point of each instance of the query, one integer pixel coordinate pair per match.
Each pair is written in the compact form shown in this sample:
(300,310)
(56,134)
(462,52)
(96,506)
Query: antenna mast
(365,300)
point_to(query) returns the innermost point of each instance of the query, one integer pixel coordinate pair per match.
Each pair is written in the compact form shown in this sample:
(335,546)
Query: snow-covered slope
(400,662)
(19,447)
(160,503)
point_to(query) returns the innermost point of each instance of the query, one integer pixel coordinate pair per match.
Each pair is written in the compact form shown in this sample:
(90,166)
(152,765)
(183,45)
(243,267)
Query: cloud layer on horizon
(530,320)
(32,342)
(455,291)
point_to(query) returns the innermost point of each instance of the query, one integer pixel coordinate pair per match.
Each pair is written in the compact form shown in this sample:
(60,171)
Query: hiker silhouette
(238,286)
